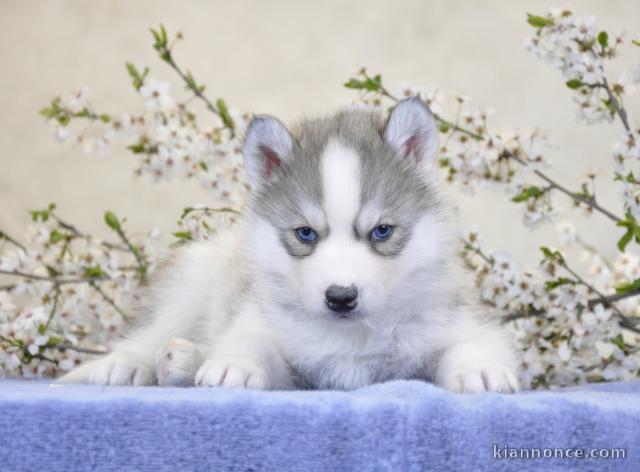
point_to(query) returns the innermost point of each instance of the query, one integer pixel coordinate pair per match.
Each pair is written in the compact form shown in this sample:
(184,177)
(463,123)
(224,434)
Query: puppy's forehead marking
(340,167)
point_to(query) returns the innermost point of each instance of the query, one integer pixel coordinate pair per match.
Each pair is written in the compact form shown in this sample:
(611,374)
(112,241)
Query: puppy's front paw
(482,379)
(234,372)
(177,362)
(117,369)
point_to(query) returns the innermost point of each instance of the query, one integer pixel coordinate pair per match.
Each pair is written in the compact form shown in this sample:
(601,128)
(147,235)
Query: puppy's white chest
(355,365)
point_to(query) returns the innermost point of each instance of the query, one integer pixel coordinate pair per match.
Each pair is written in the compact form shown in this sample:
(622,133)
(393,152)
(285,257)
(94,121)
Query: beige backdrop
(285,58)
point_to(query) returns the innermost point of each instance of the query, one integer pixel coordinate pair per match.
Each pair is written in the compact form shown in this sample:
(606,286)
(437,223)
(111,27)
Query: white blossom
(157,95)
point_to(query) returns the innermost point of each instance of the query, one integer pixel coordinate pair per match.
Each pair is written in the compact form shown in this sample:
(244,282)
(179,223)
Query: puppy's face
(345,215)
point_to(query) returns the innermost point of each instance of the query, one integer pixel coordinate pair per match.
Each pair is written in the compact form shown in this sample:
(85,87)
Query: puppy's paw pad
(232,373)
(483,379)
(121,370)
(177,362)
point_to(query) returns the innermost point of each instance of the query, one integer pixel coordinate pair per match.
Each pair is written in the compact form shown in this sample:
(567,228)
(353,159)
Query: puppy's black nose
(341,299)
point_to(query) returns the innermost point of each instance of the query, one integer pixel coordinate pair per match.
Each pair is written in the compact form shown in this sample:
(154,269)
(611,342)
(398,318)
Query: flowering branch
(55,280)
(625,321)
(164,49)
(555,257)
(589,201)
(77,233)
(374,84)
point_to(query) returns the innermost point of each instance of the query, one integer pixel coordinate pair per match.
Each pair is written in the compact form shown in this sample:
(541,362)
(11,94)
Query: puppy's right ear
(267,144)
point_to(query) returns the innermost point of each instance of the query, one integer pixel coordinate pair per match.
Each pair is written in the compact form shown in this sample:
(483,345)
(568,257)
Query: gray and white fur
(304,292)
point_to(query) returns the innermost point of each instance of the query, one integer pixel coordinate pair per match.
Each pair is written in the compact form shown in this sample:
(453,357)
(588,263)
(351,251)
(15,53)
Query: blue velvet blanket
(396,426)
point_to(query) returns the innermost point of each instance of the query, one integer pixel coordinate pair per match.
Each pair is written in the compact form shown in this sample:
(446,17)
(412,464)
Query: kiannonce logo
(508,452)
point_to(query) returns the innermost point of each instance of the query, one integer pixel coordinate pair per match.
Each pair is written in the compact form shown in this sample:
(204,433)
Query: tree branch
(166,54)
(591,202)
(620,111)
(71,347)
(109,300)
(54,280)
(624,320)
(54,307)
(9,239)
(606,300)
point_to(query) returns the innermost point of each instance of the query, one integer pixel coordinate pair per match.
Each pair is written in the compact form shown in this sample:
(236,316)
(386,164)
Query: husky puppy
(343,273)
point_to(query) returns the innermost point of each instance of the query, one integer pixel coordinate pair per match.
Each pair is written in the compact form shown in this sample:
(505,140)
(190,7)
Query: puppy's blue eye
(382,232)
(306,234)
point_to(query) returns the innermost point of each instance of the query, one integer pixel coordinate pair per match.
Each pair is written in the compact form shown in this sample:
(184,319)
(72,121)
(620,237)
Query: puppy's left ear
(412,133)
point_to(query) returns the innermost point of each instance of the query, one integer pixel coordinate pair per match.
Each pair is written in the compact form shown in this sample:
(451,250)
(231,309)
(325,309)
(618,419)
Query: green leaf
(528,192)
(627,178)
(546,252)
(603,39)
(574,84)
(224,113)
(584,193)
(155,34)
(84,113)
(618,341)
(161,43)
(192,84)
(112,221)
(93,272)
(52,111)
(47,112)
(136,251)
(186,211)
(610,104)
(55,340)
(163,34)
(160,37)
(628,287)
(55,111)
(55,236)
(553,256)
(183,235)
(372,84)
(375,82)
(137,78)
(354,84)
(52,271)
(42,215)
(137,148)
(632,230)
(538,21)
(553,284)
(624,240)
